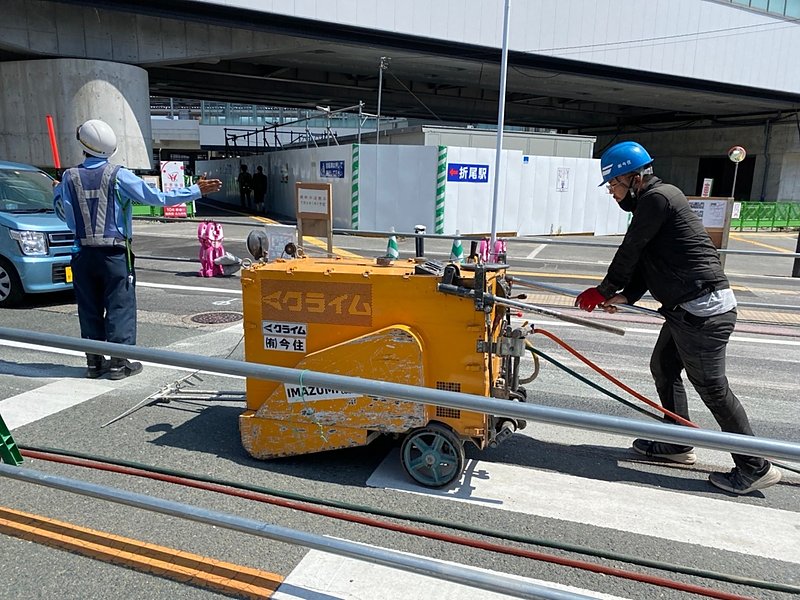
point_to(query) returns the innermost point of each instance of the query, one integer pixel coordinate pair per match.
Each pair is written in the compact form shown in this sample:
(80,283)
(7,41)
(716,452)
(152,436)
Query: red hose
(372,522)
(614,380)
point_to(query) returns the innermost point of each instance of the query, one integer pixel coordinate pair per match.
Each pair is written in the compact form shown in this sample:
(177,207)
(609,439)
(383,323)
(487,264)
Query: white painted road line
(536,250)
(49,399)
(176,347)
(188,288)
(330,577)
(644,511)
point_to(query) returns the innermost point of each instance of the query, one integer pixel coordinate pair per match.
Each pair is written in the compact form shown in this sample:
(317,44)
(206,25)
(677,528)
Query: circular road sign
(737,154)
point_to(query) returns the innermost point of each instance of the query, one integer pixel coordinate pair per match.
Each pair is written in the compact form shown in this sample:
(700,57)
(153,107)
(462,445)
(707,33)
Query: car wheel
(11,291)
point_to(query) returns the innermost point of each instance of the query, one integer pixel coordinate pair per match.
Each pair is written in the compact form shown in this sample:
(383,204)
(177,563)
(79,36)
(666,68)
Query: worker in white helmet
(95,199)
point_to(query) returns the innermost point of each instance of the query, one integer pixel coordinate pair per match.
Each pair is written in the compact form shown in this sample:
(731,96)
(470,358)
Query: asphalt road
(547,483)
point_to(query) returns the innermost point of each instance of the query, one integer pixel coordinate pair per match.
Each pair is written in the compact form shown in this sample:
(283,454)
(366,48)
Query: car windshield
(24,191)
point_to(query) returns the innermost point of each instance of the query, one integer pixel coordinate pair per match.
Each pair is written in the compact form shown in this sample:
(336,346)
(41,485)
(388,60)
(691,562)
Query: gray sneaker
(683,455)
(737,482)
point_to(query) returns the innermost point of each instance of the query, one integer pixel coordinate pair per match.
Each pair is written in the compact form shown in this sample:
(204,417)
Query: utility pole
(383,66)
(500,124)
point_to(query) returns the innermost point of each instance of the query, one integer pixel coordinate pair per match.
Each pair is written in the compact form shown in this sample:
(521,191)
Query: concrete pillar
(72,91)
(789,183)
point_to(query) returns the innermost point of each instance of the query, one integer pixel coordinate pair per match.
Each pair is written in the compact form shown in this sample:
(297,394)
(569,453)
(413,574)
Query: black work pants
(244,197)
(258,198)
(697,344)
(105,297)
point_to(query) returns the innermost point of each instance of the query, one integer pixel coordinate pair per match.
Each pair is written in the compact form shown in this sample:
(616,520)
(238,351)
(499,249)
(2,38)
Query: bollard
(796,265)
(419,242)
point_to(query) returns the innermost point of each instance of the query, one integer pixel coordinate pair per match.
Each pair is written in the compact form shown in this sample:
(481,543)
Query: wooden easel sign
(314,211)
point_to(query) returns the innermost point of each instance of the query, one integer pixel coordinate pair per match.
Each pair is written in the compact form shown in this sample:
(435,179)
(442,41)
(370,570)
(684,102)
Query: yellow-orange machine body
(389,323)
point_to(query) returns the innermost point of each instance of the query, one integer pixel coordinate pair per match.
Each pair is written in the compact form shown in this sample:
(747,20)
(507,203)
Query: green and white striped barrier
(441,181)
(457,252)
(354,189)
(392,250)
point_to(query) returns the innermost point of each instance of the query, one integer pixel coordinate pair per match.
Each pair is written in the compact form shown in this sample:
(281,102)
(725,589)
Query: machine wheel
(433,455)
(11,291)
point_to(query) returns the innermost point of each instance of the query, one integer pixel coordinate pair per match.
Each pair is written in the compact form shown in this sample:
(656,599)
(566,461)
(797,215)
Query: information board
(716,216)
(314,211)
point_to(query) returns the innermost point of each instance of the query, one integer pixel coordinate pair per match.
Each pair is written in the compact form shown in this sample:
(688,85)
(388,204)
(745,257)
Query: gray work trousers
(697,345)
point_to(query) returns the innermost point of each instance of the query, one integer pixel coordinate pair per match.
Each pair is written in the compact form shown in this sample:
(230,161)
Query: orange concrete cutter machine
(422,324)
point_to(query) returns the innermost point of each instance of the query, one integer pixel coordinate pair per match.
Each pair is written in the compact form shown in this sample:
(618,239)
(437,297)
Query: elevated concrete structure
(72,91)
(677,70)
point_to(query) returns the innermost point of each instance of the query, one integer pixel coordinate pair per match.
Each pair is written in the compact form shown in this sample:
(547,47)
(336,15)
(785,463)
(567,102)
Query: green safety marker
(9,453)
(457,252)
(392,251)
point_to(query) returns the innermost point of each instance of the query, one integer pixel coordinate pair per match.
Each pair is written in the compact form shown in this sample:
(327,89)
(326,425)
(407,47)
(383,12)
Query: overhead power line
(678,37)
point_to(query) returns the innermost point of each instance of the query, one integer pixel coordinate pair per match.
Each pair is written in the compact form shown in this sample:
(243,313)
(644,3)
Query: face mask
(628,203)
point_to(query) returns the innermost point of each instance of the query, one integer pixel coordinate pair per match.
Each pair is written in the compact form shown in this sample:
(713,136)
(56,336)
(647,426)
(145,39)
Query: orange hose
(614,380)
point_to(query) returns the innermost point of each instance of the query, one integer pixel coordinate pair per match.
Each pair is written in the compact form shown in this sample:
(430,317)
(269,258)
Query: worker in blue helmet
(667,251)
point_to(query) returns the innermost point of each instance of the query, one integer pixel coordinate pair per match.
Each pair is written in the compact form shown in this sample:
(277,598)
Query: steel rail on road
(430,567)
(740,444)
(532,240)
(472,237)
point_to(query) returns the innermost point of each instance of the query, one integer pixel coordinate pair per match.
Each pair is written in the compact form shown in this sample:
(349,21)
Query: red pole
(53,145)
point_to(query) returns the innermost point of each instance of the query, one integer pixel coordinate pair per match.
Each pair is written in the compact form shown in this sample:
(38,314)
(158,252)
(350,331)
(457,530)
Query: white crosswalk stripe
(620,506)
(50,398)
(348,579)
(650,512)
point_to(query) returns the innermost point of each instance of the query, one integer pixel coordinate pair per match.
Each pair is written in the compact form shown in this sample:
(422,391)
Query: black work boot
(96,365)
(121,368)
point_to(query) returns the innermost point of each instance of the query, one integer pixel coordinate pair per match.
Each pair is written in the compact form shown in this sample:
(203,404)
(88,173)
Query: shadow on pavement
(215,430)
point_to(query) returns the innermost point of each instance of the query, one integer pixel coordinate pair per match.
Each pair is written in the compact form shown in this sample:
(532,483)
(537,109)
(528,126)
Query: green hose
(535,351)
(593,384)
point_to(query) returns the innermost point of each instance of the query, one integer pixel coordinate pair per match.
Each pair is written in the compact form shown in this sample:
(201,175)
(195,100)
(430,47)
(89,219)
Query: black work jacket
(666,250)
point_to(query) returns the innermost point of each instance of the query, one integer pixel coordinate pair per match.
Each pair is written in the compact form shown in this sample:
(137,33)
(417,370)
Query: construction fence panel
(767,215)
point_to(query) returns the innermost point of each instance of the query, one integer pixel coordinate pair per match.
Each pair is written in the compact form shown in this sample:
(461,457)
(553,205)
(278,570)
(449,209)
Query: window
(776,6)
(793,8)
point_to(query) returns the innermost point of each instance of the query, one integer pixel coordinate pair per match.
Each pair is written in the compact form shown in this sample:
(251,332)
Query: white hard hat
(97,138)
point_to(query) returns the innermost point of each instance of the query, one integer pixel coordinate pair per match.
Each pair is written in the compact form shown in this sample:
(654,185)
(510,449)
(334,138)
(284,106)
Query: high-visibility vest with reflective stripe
(94,205)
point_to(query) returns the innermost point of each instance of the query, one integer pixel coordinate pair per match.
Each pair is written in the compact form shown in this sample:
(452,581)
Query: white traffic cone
(392,251)
(457,252)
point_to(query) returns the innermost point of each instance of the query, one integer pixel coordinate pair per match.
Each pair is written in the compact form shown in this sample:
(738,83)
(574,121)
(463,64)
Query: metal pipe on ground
(573,294)
(430,567)
(740,444)
(534,240)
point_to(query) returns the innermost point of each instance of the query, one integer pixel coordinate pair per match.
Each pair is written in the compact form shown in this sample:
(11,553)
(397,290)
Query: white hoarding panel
(470,188)
(538,195)
(560,196)
(405,179)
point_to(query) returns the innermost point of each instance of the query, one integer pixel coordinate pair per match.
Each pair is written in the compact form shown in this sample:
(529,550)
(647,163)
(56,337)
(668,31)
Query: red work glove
(590,299)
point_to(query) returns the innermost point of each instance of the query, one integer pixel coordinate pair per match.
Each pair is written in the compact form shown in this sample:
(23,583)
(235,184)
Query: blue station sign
(467,173)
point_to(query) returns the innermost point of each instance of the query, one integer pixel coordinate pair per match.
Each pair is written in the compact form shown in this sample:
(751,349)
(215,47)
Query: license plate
(68,274)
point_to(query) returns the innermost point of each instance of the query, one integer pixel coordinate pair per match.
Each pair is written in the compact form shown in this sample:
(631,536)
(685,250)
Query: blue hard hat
(623,158)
